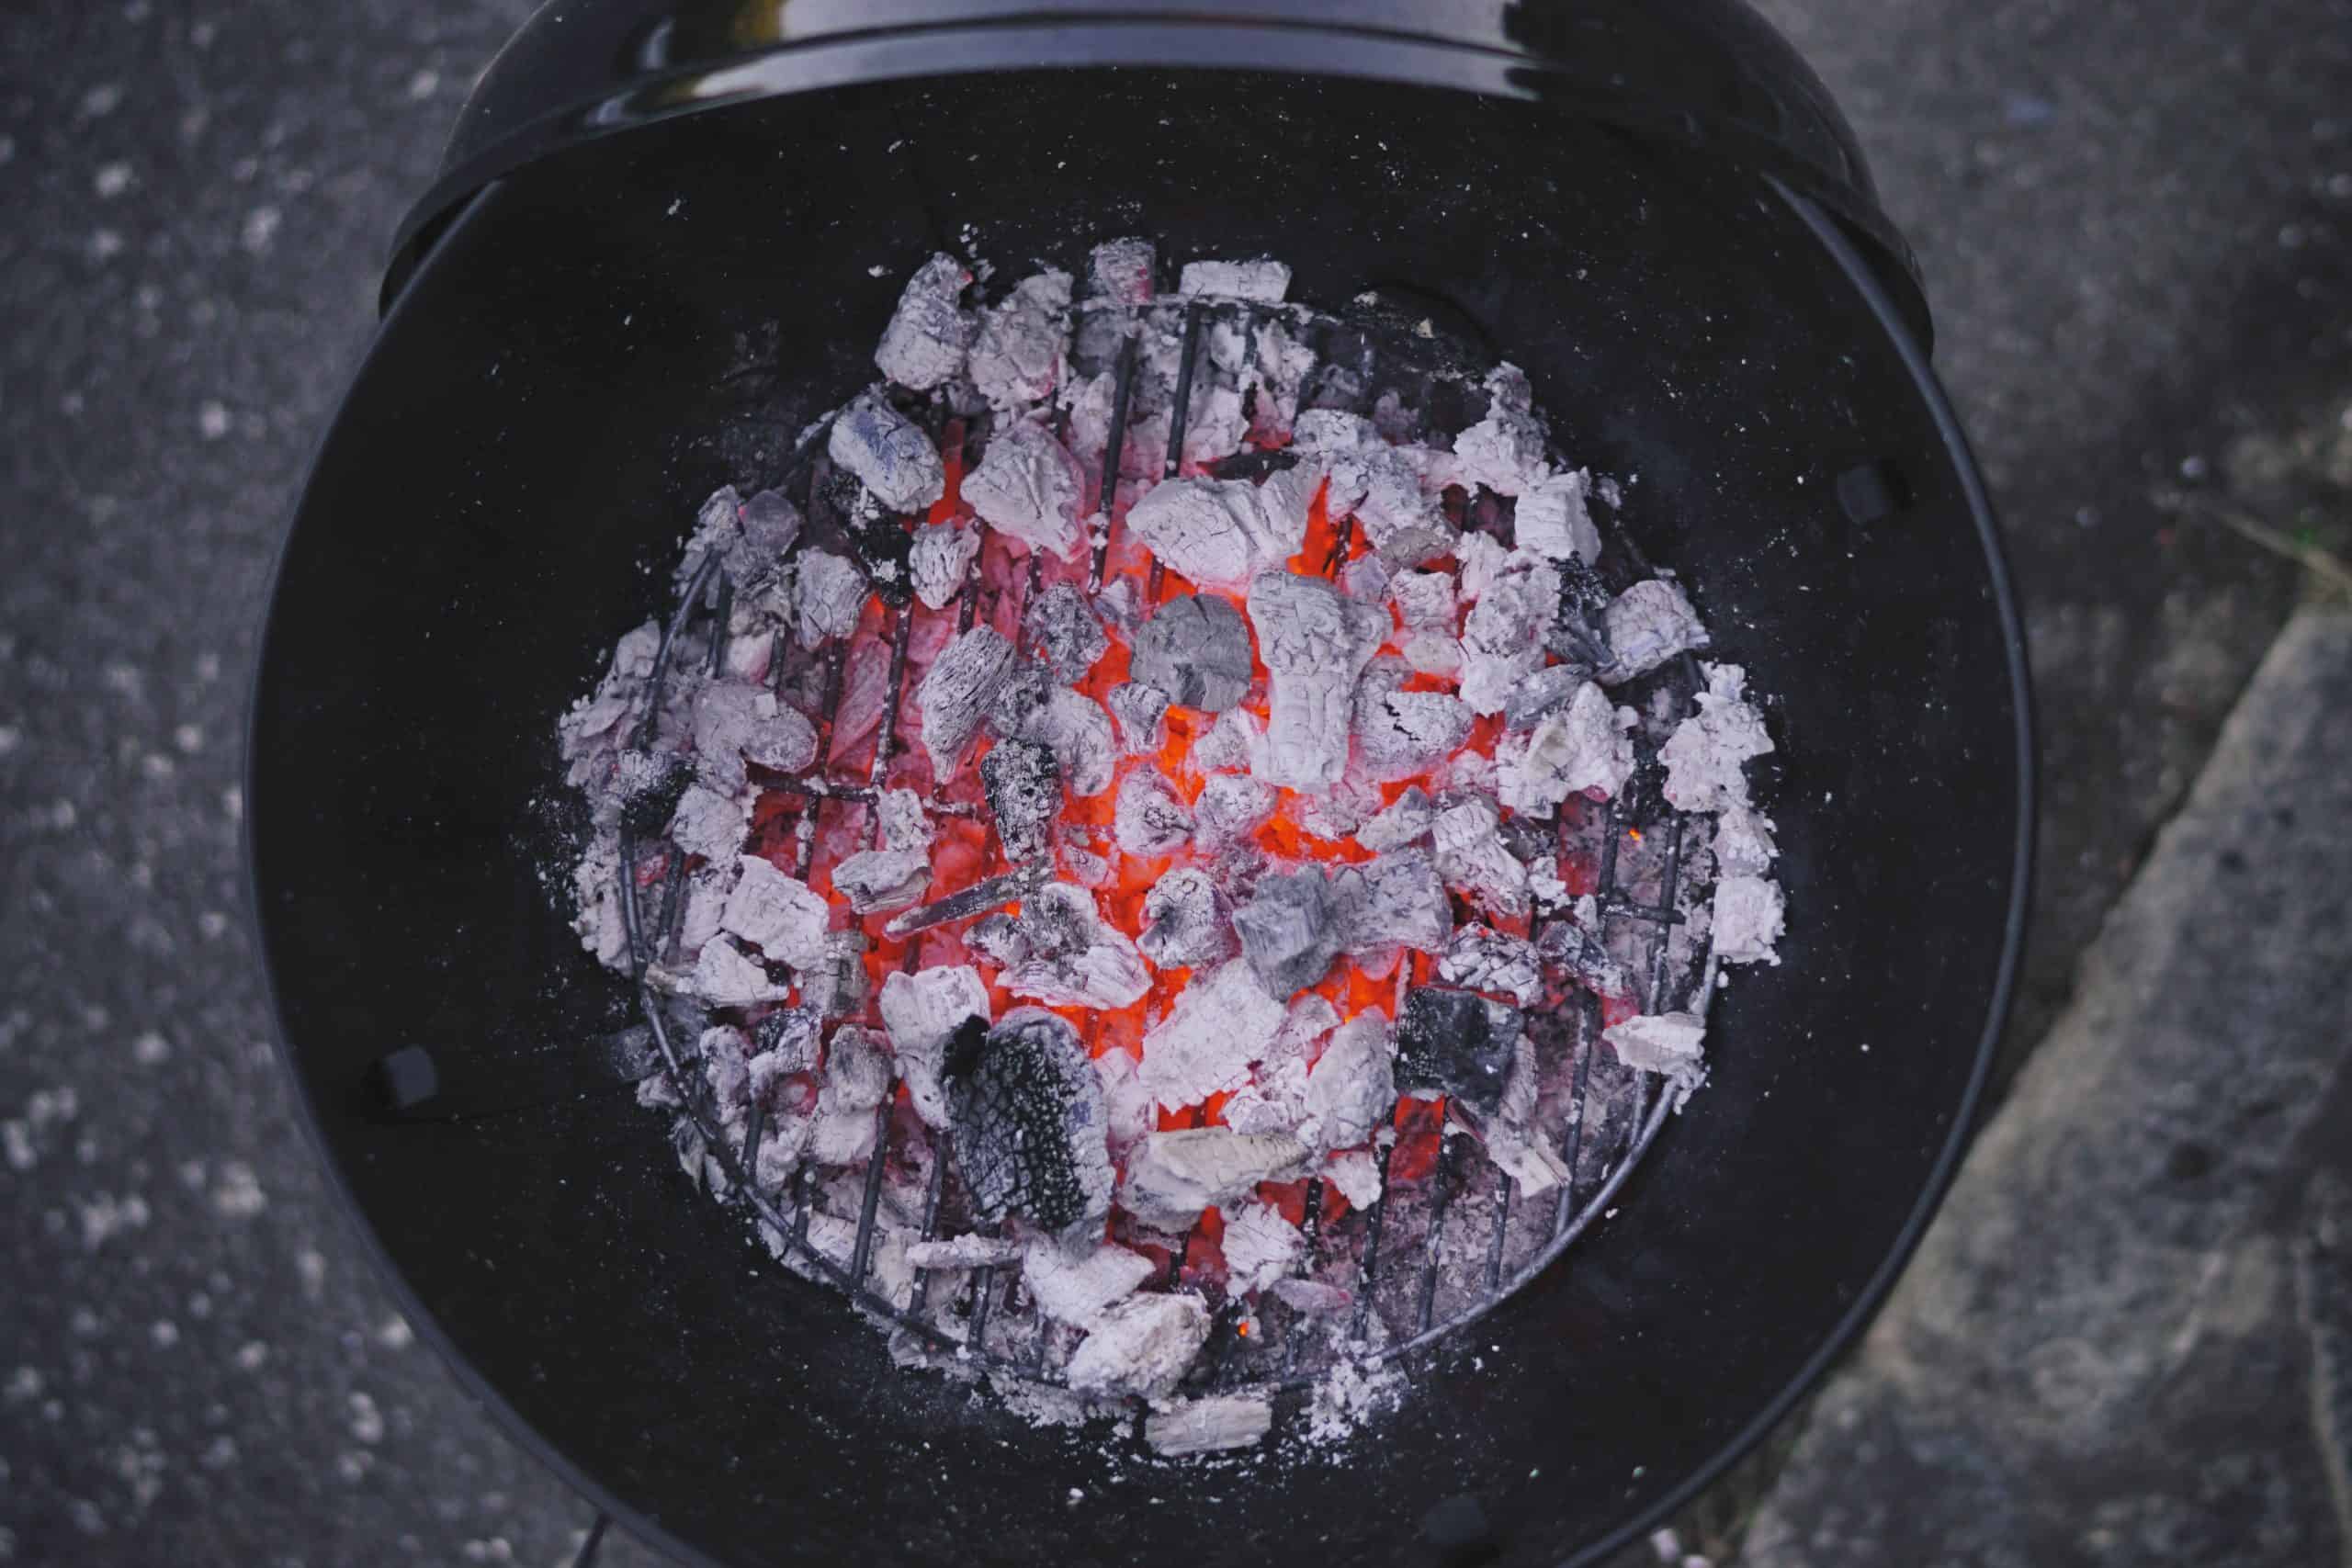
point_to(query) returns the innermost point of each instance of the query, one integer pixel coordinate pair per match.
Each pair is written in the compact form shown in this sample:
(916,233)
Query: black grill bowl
(611,331)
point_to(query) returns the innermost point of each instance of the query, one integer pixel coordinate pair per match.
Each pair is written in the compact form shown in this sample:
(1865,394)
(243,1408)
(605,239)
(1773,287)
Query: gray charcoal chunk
(1289,931)
(1264,280)
(1028,486)
(1315,643)
(1195,649)
(1392,900)
(1544,692)
(1142,712)
(1063,631)
(828,592)
(924,345)
(1481,958)
(1456,1043)
(959,693)
(1016,357)
(1150,818)
(1024,794)
(1029,1125)
(1230,806)
(1403,733)
(939,561)
(1187,923)
(1647,625)
(891,455)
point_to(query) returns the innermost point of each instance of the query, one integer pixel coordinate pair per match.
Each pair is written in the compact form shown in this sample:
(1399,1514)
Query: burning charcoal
(1084,867)
(1076,730)
(958,691)
(1151,819)
(1222,1022)
(1315,643)
(904,823)
(1260,1247)
(1456,1043)
(784,740)
(1142,1347)
(1667,1042)
(1555,520)
(1391,900)
(1264,280)
(1214,1425)
(1514,1139)
(828,593)
(1748,915)
(1336,816)
(923,347)
(1504,451)
(1075,959)
(1120,271)
(726,1064)
(1399,517)
(651,789)
(877,881)
(1289,931)
(1580,954)
(1171,1176)
(1141,711)
(1544,692)
(1480,958)
(1217,426)
(1119,603)
(835,985)
(966,1252)
(1471,856)
(1234,740)
(776,913)
(1220,533)
(1231,806)
(1353,1086)
(921,1011)
(939,559)
(999,937)
(709,824)
(1368,577)
(1502,637)
(1027,1122)
(1017,356)
(1402,733)
(1186,923)
(1024,794)
(1355,1175)
(1313,1297)
(1196,650)
(1400,822)
(1744,845)
(1647,625)
(1063,632)
(1479,560)
(856,1079)
(1132,1114)
(890,455)
(725,977)
(1028,486)
(1585,750)
(785,1040)
(1028,687)
(1077,1284)
(1425,602)
(1706,754)
(988,893)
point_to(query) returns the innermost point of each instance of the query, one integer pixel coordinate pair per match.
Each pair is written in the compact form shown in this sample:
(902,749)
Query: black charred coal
(649,805)
(1025,791)
(1252,464)
(1027,1121)
(1577,632)
(848,520)
(1456,1043)
(1027,687)
(1062,629)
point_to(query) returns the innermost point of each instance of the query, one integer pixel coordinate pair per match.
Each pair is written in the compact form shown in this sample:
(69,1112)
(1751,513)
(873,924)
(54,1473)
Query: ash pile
(1177,847)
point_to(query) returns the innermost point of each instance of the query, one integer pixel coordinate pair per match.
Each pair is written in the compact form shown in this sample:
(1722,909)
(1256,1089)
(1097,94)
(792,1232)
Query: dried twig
(2324,564)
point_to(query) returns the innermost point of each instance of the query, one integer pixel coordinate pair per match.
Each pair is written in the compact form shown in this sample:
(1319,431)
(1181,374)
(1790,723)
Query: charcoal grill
(647,267)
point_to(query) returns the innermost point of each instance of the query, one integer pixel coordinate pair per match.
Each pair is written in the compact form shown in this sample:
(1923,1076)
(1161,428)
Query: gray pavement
(2134,218)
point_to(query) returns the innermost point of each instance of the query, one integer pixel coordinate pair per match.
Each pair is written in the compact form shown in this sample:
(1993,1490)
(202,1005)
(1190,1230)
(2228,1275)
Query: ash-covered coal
(1290,930)
(930,332)
(1194,650)
(892,456)
(1028,1121)
(1063,631)
(1025,793)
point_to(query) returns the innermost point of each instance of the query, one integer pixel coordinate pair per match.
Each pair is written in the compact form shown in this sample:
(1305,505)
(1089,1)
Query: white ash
(880,881)
(1120,271)
(957,692)
(1748,911)
(1023,786)
(1063,632)
(1084,867)
(776,913)
(966,1252)
(1480,958)
(1314,642)
(590,728)
(1187,924)
(790,1129)
(1076,958)
(1290,930)
(828,593)
(1076,730)
(1317,1298)
(1515,1140)
(1076,1285)
(1230,808)
(999,938)
(1331,431)
(1119,603)
(1235,740)
(749,538)
(939,561)
(1478,559)
(1554,519)
(892,456)
(724,975)
(1353,1085)
(1260,1247)
(924,345)
(1217,425)
(1586,749)
(1338,815)
(1278,370)
(1171,1176)
(1141,711)
(726,1054)
(1648,624)
(1744,844)
(1707,754)
(1127,1105)
(1355,1175)
(1402,821)
(1383,491)
(921,1011)
(784,740)
(1016,357)
(1367,578)
(1210,1425)
(1194,649)
(1142,1347)
(903,821)
(1263,280)
(856,1081)
(836,984)
(1502,637)
(784,1041)
(1505,451)
(1026,486)
(1544,692)
(1220,533)
(1221,1022)
(1473,858)
(1392,900)
(1426,604)
(1402,733)
(1150,818)
(709,824)
(1667,1043)
(1573,945)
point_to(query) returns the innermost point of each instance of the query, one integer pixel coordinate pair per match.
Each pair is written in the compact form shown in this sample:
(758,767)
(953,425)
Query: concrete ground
(2134,221)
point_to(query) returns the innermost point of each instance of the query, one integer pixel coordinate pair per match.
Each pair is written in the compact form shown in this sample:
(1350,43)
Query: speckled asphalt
(2133,218)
